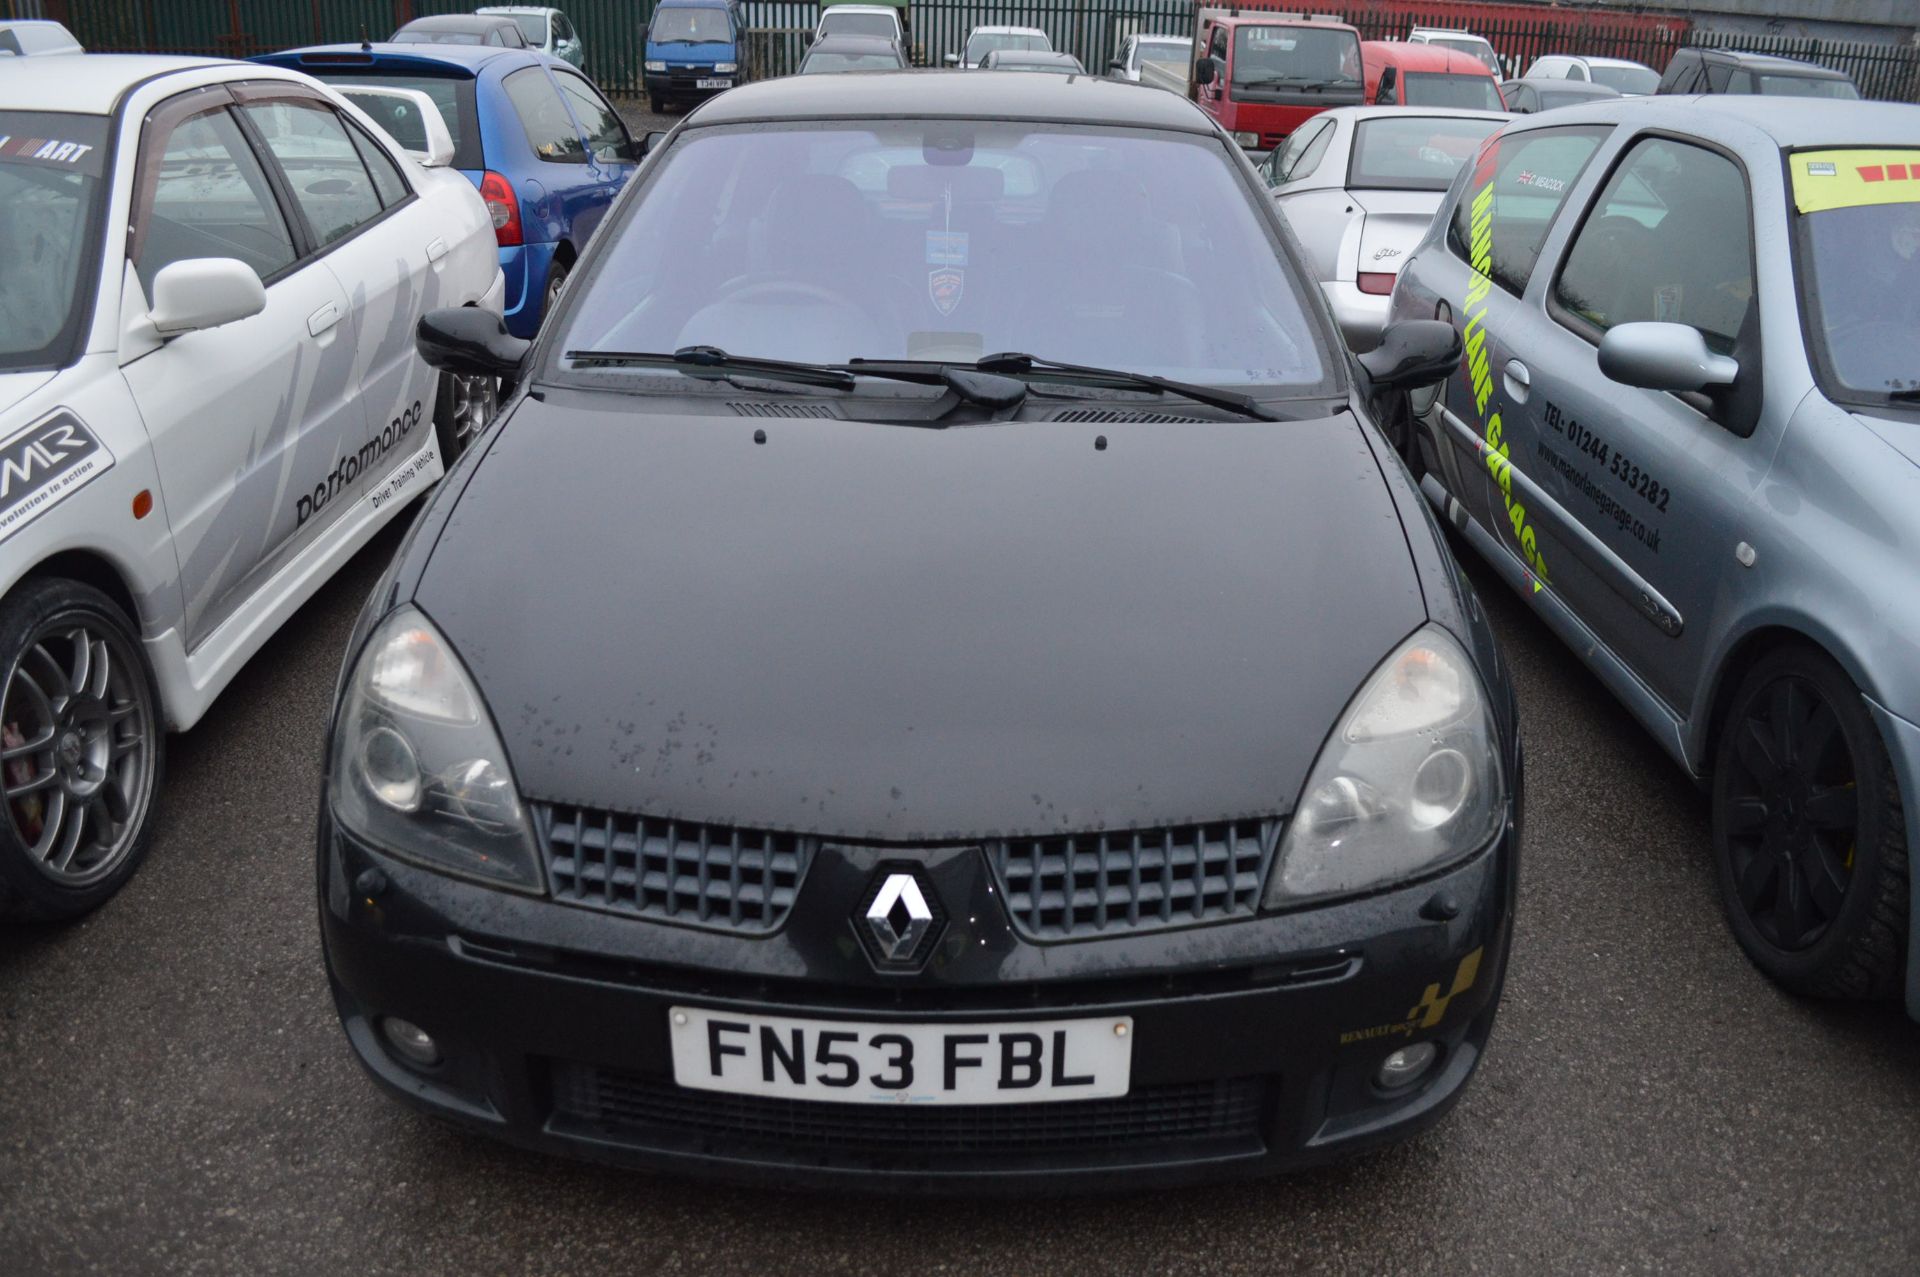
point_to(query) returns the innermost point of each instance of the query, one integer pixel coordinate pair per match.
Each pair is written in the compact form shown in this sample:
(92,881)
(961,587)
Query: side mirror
(1206,71)
(806,41)
(204,292)
(1117,65)
(1411,354)
(1657,356)
(950,59)
(469,342)
(652,140)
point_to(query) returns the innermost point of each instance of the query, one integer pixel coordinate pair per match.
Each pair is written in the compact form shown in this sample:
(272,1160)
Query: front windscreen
(533,26)
(1468,92)
(50,178)
(1414,152)
(1859,257)
(818,62)
(984,42)
(1168,54)
(876,24)
(1295,58)
(949,241)
(689,26)
(1639,80)
(1804,86)
(437,37)
(1479,50)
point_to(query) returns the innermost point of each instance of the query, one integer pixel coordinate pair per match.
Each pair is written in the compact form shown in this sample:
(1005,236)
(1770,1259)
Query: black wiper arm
(689,358)
(1910,395)
(1015,363)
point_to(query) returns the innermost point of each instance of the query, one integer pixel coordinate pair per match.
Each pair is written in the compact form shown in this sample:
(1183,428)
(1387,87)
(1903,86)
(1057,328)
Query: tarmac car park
(209,400)
(1685,433)
(923,902)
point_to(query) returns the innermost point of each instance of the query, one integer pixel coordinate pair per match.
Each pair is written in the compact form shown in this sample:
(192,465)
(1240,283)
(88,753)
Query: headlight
(726,66)
(1409,780)
(656,66)
(1248,140)
(417,767)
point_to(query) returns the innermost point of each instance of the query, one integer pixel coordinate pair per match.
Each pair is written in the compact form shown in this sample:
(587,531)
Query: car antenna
(366,45)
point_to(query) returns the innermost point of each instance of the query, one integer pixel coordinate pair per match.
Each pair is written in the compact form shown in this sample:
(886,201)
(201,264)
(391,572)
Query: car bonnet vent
(749,409)
(1108,415)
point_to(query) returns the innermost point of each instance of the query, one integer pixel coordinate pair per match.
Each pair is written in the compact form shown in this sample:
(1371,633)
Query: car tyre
(462,410)
(656,104)
(556,280)
(1395,417)
(1809,832)
(81,751)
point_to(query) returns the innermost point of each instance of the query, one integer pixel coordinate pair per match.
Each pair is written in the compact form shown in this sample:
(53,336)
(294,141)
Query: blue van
(693,51)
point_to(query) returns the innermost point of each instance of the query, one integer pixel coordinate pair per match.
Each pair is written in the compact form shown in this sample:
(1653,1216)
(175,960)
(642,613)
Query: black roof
(975,95)
(1765,62)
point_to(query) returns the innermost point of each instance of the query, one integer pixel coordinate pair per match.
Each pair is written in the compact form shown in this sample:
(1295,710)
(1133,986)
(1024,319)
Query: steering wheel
(769,289)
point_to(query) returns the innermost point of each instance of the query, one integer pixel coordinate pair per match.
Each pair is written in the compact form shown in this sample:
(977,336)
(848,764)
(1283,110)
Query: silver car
(1358,185)
(1687,431)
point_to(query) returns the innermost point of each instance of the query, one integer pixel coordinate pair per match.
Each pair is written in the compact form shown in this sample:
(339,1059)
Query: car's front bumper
(679,85)
(1361,316)
(1256,1042)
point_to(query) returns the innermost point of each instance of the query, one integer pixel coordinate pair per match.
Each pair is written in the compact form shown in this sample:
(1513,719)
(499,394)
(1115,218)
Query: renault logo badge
(899,917)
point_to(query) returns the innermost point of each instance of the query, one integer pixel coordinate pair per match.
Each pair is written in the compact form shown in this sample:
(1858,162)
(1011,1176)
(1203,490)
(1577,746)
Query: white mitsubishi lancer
(210,274)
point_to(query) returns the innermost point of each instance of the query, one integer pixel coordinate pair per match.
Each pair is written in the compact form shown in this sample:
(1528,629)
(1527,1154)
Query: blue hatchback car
(545,149)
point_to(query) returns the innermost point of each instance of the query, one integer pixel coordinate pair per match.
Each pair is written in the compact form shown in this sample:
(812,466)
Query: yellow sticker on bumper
(1851,179)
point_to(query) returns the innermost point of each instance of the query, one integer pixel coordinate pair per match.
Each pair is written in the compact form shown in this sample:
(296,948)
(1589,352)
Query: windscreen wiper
(693,359)
(1015,363)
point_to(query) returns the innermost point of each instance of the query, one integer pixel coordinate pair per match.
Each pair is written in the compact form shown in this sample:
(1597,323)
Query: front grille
(647,1109)
(729,879)
(1077,886)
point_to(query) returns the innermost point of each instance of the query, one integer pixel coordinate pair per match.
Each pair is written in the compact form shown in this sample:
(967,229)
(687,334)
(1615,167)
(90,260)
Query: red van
(1403,74)
(1263,75)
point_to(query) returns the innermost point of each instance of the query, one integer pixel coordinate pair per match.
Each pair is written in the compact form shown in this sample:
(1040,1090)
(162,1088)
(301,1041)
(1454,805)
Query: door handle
(1518,380)
(323,320)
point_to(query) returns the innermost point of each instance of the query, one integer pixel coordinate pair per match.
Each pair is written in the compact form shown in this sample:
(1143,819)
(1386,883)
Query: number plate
(853,1062)
(713,84)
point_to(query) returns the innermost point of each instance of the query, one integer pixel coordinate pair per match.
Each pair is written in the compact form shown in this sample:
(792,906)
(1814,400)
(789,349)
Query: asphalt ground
(176,1096)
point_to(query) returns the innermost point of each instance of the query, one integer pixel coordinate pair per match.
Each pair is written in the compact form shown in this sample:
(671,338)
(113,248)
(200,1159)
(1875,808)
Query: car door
(1656,479)
(248,420)
(1513,191)
(377,237)
(610,150)
(576,193)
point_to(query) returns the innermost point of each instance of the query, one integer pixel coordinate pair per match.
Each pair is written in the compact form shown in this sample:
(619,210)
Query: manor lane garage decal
(1639,482)
(43,465)
(354,464)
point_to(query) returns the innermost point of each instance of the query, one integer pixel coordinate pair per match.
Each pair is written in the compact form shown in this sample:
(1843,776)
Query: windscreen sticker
(51,150)
(946,248)
(1494,449)
(945,286)
(44,465)
(1825,180)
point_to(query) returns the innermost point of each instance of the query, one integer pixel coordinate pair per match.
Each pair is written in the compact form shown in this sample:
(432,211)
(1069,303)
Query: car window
(211,199)
(550,130)
(533,26)
(1532,173)
(387,182)
(453,97)
(1804,86)
(605,134)
(1857,246)
(1315,151)
(49,200)
(877,24)
(1279,56)
(1280,163)
(1669,239)
(1472,92)
(330,184)
(1218,49)
(1627,79)
(1412,152)
(1389,91)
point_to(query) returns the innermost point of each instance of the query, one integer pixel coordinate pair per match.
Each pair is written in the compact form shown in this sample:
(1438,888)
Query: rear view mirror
(1116,65)
(1656,356)
(204,292)
(1412,353)
(1206,71)
(469,342)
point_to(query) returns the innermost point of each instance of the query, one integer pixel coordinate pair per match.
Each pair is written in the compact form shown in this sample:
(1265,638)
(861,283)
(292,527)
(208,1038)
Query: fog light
(1406,1066)
(413,1043)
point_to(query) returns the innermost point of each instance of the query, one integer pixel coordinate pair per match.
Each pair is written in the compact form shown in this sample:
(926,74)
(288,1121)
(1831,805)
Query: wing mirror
(1412,354)
(469,342)
(1206,71)
(204,292)
(1656,356)
(1117,66)
(651,142)
(950,59)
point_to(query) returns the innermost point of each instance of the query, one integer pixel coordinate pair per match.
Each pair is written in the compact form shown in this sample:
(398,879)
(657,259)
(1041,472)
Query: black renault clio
(935,679)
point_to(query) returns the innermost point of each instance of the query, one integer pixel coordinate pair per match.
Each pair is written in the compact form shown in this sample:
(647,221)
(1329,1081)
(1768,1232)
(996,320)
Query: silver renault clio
(1687,431)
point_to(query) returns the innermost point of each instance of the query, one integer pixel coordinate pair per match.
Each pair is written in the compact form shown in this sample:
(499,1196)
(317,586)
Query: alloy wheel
(474,401)
(1792,813)
(77,749)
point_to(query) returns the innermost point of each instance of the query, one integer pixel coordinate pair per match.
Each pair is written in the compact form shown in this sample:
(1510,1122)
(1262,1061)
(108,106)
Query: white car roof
(495,9)
(859,8)
(1004,30)
(1165,39)
(87,83)
(1608,62)
(1461,31)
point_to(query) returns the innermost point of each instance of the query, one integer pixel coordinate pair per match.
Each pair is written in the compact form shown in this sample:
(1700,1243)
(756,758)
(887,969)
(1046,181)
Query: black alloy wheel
(556,282)
(463,409)
(80,750)
(1809,834)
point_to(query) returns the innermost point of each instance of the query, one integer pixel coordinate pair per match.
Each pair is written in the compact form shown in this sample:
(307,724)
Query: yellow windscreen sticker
(1849,179)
